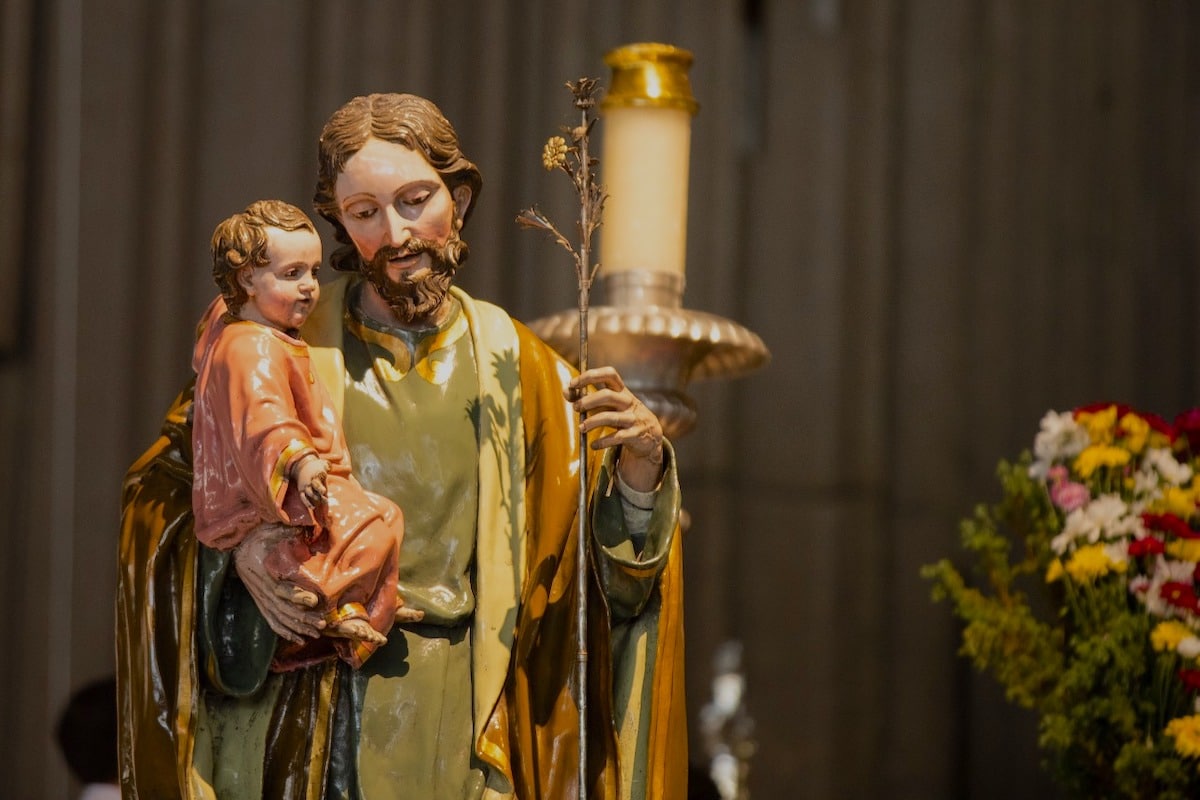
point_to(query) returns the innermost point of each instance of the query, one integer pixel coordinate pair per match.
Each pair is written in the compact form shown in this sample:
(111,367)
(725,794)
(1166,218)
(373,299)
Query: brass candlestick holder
(642,330)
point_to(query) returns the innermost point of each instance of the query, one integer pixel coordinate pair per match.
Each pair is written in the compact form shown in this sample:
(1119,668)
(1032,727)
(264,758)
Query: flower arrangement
(1085,605)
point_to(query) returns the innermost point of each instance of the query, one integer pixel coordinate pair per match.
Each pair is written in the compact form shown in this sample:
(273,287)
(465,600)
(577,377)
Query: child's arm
(308,474)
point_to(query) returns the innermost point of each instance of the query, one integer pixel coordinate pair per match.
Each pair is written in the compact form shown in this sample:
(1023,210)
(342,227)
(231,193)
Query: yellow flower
(1167,635)
(1099,424)
(1090,562)
(1137,431)
(1158,439)
(1184,549)
(1100,455)
(1055,571)
(1186,733)
(1180,502)
(554,154)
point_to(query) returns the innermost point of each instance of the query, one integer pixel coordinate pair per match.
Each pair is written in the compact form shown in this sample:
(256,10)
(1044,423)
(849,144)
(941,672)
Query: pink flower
(1069,495)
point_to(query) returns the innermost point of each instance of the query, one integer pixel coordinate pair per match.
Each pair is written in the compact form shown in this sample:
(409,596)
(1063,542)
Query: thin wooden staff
(578,163)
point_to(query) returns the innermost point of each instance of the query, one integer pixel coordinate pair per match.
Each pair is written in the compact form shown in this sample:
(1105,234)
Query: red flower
(1149,546)
(1187,425)
(1160,425)
(1180,595)
(1190,678)
(1169,523)
(1093,408)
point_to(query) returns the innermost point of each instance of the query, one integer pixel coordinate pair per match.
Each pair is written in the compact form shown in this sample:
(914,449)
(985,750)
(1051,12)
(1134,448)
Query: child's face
(283,292)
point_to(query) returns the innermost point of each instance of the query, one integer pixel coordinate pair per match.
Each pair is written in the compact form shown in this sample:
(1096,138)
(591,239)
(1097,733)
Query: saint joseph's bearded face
(404,223)
(416,293)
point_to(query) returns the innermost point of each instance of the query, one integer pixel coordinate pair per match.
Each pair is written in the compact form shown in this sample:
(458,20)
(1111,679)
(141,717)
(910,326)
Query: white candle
(647,136)
(644,169)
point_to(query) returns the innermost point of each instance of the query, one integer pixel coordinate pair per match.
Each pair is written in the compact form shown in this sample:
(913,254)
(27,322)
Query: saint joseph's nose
(396,230)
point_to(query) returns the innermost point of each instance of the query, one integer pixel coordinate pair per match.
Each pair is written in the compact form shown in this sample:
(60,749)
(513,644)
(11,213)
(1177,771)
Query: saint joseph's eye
(416,199)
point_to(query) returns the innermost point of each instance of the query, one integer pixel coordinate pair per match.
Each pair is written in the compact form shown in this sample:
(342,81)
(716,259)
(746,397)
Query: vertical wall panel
(929,418)
(865,389)
(17,76)
(997,365)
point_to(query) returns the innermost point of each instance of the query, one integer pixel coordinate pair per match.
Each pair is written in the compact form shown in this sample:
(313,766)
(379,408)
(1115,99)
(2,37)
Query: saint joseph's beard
(413,298)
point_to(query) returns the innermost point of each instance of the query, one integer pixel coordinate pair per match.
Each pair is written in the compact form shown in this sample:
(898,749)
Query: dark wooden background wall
(943,217)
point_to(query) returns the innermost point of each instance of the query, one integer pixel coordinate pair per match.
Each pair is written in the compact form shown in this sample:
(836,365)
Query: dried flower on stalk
(575,160)
(554,154)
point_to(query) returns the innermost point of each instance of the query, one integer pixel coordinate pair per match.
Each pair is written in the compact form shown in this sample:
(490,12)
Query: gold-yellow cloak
(170,646)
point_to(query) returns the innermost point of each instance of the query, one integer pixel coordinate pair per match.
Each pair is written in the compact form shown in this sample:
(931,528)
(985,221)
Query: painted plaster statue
(466,420)
(268,446)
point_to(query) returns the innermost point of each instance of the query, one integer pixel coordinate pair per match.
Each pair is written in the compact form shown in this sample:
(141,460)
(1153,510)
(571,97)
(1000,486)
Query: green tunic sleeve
(630,562)
(234,640)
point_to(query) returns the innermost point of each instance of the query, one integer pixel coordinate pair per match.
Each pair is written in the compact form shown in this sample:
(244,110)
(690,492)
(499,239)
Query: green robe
(288,731)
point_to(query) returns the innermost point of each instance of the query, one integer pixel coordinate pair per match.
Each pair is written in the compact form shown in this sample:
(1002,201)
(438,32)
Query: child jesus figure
(268,447)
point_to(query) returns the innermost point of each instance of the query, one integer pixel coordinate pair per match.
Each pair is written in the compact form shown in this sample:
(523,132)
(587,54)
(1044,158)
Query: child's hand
(309,476)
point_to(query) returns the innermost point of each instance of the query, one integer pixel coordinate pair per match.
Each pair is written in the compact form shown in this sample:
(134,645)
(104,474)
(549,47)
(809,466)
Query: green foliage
(1077,653)
(1002,634)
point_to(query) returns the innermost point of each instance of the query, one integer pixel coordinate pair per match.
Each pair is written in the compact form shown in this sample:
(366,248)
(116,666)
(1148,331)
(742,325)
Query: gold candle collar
(650,74)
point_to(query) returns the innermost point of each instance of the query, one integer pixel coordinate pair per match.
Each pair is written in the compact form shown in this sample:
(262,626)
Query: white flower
(1171,570)
(1146,484)
(1127,527)
(1137,527)
(1171,470)
(1077,526)
(1189,647)
(1117,552)
(1106,517)
(1107,510)
(1060,437)
(1110,518)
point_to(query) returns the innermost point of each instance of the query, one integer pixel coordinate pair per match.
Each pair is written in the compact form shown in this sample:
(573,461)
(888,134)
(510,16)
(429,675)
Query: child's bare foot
(359,630)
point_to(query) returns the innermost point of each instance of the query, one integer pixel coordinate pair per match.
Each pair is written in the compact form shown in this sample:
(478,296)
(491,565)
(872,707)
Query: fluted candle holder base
(657,346)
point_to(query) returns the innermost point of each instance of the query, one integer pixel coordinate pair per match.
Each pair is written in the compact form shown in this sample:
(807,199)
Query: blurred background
(942,217)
